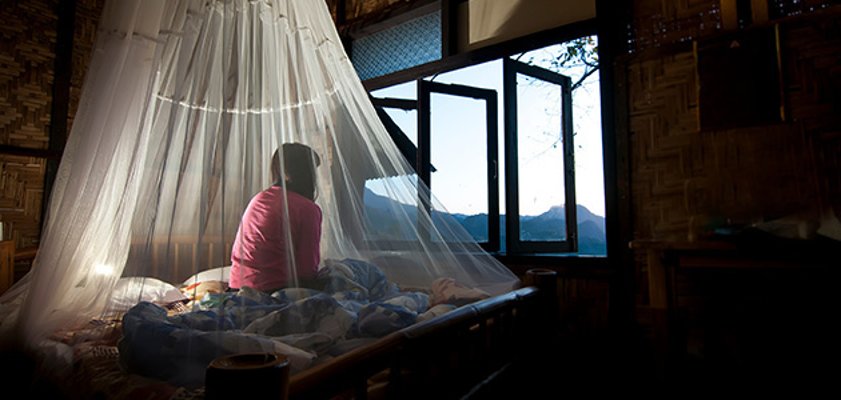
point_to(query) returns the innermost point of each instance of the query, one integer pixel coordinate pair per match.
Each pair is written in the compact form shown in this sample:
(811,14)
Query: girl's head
(298,172)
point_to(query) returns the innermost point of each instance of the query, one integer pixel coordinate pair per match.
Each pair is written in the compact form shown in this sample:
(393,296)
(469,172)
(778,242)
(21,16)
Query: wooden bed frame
(448,356)
(454,355)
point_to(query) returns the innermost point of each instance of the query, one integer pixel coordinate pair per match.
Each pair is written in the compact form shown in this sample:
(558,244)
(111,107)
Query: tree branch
(581,80)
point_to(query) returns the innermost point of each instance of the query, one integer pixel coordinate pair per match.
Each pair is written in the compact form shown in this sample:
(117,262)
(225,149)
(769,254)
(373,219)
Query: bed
(407,342)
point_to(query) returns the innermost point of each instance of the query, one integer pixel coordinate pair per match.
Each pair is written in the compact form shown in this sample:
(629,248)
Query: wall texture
(685,180)
(27,69)
(27,48)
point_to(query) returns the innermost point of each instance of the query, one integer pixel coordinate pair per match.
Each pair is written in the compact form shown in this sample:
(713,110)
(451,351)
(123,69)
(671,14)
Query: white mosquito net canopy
(212,199)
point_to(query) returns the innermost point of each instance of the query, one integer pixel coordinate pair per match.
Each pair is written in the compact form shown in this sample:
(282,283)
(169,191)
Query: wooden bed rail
(444,357)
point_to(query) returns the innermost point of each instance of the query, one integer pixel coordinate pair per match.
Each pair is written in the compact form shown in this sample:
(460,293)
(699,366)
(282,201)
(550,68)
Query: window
(512,147)
(458,135)
(539,160)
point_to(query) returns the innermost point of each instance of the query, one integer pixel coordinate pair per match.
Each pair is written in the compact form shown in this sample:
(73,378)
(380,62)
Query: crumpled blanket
(449,291)
(357,303)
(178,349)
(356,279)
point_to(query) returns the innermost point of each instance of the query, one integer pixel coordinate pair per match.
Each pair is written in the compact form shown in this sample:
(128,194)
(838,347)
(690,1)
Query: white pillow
(132,290)
(214,274)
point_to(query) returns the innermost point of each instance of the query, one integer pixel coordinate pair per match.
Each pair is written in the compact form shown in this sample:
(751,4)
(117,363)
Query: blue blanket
(357,303)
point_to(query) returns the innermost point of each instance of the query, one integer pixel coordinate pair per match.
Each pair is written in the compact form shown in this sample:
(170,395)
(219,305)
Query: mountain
(582,214)
(381,223)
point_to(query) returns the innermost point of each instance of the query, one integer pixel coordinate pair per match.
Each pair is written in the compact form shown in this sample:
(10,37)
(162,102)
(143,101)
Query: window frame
(452,61)
(514,244)
(425,90)
(411,156)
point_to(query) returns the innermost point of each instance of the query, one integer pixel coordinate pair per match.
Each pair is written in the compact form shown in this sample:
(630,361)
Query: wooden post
(7,264)
(759,10)
(542,339)
(729,15)
(546,280)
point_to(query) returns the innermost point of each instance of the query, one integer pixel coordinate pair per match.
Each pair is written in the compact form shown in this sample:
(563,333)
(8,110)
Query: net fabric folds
(214,198)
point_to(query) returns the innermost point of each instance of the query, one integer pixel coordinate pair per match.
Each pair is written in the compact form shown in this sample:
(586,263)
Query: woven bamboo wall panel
(812,55)
(21,193)
(87,19)
(753,174)
(28,34)
(684,179)
(663,117)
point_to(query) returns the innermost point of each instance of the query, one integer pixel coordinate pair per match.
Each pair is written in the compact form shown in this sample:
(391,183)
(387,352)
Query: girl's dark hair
(298,173)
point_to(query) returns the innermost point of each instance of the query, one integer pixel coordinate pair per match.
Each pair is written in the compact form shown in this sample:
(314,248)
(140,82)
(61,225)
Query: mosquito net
(214,197)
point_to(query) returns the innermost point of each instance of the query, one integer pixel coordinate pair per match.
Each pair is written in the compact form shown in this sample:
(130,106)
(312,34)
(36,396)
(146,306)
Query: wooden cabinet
(7,264)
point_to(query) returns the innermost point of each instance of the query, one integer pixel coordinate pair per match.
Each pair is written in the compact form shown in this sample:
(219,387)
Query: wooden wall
(583,294)
(28,36)
(27,71)
(742,174)
(686,180)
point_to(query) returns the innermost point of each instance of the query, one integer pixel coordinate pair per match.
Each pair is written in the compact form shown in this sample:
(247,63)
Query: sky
(458,139)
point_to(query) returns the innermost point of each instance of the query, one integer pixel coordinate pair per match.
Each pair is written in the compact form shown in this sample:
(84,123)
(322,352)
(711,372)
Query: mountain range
(550,225)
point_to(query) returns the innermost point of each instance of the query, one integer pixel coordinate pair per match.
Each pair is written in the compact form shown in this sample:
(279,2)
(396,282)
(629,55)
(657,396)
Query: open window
(522,174)
(540,161)
(458,135)
(397,109)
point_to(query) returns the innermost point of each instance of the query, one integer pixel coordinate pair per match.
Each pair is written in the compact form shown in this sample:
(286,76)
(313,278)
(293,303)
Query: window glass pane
(406,90)
(586,105)
(540,160)
(385,201)
(487,75)
(407,120)
(458,152)
(411,43)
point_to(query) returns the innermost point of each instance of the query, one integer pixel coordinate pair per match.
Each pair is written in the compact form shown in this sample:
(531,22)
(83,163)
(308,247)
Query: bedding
(162,349)
(130,290)
(214,274)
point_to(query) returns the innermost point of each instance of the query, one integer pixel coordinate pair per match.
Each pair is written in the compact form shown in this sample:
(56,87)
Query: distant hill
(551,225)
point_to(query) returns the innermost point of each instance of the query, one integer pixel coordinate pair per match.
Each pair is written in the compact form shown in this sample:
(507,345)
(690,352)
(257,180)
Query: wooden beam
(613,16)
(29,152)
(401,104)
(729,14)
(61,94)
(449,27)
(759,11)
